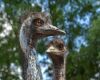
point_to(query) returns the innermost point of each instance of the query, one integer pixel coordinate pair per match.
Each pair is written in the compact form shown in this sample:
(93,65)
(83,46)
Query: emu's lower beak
(50,30)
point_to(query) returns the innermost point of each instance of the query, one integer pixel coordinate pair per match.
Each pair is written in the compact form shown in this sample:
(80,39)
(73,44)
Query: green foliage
(41,47)
(83,65)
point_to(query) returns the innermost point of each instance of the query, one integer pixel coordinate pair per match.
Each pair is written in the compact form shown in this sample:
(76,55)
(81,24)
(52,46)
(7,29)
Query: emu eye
(60,46)
(38,22)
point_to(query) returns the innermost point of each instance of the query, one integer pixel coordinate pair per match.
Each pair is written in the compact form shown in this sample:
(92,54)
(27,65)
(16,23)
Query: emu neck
(31,70)
(58,67)
(59,72)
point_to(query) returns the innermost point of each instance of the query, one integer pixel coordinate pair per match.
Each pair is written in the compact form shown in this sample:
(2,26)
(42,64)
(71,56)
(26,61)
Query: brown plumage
(34,26)
(57,52)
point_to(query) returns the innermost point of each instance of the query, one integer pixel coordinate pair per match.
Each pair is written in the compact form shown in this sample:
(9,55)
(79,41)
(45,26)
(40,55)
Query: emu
(36,25)
(57,52)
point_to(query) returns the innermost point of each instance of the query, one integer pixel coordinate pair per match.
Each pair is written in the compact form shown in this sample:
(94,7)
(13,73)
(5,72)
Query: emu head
(39,25)
(56,50)
(56,47)
(36,25)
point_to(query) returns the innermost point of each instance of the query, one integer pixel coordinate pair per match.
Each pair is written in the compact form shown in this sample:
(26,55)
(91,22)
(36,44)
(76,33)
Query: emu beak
(50,30)
(52,49)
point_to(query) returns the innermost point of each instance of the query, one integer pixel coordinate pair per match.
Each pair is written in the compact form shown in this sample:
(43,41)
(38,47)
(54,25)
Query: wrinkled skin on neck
(58,66)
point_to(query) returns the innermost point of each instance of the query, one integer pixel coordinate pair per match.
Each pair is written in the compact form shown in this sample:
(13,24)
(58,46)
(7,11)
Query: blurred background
(79,18)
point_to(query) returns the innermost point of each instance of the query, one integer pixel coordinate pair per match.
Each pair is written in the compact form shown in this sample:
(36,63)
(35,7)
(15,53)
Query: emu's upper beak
(50,30)
(52,49)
